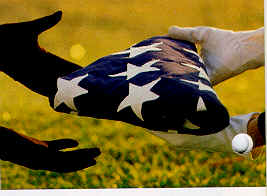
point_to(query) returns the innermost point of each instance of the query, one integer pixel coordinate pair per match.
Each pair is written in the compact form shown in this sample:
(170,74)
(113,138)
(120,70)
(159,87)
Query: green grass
(130,156)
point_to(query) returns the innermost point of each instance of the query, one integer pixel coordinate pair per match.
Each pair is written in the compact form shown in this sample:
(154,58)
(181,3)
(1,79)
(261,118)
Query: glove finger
(42,24)
(61,144)
(195,35)
(176,32)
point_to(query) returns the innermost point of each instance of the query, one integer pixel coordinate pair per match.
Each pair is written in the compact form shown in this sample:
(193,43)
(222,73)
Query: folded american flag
(159,84)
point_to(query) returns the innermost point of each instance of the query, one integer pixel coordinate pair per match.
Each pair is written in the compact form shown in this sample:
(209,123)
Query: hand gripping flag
(159,84)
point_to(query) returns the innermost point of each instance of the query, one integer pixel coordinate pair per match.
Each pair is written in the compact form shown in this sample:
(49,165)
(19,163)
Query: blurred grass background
(130,156)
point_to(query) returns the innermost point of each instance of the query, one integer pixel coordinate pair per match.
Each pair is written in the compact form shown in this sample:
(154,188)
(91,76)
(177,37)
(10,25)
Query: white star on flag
(133,70)
(193,52)
(137,96)
(202,73)
(135,51)
(202,87)
(201,105)
(68,90)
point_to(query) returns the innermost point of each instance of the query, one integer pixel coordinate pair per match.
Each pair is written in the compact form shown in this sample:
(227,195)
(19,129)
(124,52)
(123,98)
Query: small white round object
(242,143)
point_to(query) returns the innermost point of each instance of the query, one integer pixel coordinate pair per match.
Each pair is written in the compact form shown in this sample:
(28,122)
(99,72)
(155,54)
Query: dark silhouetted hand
(44,155)
(24,60)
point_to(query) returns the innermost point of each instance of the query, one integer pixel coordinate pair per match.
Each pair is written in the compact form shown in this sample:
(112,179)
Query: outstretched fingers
(71,161)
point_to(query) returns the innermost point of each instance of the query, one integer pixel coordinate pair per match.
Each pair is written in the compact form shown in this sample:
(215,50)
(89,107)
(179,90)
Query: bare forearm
(39,70)
(14,145)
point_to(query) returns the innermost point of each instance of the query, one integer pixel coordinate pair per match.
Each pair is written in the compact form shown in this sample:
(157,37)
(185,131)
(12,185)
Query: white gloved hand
(225,53)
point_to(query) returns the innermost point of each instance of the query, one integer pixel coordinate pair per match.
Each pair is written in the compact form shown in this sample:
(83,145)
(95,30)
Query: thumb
(42,24)
(191,34)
